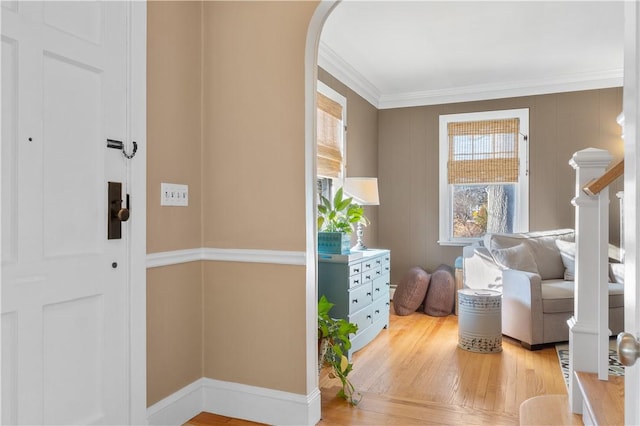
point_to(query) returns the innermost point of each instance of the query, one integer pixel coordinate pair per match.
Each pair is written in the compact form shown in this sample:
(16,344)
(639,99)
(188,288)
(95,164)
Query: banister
(596,185)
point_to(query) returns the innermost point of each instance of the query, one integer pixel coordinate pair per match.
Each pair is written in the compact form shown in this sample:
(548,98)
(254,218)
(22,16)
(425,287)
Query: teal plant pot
(334,243)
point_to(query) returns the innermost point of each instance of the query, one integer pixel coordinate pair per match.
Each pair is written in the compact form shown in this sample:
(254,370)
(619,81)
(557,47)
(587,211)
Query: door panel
(9,149)
(65,292)
(73,350)
(72,149)
(83,20)
(9,368)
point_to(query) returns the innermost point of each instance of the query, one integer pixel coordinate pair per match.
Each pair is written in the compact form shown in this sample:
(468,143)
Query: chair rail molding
(176,257)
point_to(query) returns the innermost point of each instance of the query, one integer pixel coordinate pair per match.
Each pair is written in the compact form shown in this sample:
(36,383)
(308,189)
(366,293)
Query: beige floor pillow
(441,293)
(411,291)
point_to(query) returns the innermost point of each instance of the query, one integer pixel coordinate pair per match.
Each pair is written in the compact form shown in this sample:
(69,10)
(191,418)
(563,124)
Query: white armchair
(537,288)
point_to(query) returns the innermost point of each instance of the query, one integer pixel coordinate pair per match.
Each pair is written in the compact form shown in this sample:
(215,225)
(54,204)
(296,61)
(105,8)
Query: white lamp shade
(363,190)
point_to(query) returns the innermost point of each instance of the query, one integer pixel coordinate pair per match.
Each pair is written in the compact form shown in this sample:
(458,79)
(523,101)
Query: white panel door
(65,286)
(631,211)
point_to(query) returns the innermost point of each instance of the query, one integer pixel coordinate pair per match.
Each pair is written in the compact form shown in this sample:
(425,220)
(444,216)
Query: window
(330,139)
(484,184)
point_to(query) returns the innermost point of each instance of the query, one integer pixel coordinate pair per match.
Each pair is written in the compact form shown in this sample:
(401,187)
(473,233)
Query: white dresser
(358,285)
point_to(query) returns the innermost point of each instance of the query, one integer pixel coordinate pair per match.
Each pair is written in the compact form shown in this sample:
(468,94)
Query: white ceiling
(407,53)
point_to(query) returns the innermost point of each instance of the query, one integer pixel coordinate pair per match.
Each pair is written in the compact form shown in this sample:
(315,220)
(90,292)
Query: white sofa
(534,271)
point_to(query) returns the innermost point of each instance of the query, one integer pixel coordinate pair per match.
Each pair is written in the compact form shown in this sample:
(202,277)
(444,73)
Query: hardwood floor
(414,373)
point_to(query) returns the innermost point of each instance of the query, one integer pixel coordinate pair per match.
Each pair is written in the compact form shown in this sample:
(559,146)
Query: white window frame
(521,219)
(338,98)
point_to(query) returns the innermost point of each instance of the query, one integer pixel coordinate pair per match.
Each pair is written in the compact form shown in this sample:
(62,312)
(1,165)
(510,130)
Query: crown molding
(329,60)
(567,83)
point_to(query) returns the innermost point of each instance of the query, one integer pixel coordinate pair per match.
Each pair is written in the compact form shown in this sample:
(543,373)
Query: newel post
(589,324)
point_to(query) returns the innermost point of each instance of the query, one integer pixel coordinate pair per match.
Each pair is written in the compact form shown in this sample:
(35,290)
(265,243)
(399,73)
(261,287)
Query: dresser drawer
(355,268)
(362,318)
(359,297)
(381,287)
(355,280)
(371,274)
(380,309)
(368,264)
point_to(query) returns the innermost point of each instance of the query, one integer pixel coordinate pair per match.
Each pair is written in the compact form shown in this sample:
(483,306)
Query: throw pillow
(517,257)
(440,298)
(411,290)
(616,273)
(568,255)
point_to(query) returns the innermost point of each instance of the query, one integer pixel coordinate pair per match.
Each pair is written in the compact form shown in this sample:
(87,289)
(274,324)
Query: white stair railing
(589,326)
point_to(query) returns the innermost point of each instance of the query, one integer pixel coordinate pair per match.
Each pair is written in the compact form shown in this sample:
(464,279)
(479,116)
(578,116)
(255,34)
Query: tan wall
(254,124)
(254,318)
(253,127)
(559,124)
(174,293)
(226,117)
(174,328)
(173,122)
(362,145)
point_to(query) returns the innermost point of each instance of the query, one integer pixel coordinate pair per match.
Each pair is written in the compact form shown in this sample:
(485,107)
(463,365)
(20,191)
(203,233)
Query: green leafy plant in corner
(334,344)
(339,214)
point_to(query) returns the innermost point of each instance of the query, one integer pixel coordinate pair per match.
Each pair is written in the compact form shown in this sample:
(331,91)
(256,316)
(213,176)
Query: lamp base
(360,233)
(360,247)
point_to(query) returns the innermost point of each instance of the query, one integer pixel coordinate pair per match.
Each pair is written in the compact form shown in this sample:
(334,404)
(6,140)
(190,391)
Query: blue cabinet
(358,284)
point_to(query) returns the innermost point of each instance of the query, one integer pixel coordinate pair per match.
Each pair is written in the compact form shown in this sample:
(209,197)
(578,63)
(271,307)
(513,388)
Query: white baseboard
(238,401)
(178,407)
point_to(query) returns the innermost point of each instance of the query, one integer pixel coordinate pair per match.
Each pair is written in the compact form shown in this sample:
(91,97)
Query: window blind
(329,128)
(483,151)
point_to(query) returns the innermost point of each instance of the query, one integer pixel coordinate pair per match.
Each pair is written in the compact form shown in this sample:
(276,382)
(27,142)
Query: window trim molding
(521,224)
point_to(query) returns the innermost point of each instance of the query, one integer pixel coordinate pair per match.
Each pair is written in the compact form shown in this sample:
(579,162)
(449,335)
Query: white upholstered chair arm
(522,305)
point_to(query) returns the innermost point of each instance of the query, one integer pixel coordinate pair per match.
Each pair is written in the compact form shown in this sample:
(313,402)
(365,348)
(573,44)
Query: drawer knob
(354,301)
(377,311)
(368,277)
(356,281)
(356,270)
(368,265)
(368,316)
(377,272)
(377,289)
(368,293)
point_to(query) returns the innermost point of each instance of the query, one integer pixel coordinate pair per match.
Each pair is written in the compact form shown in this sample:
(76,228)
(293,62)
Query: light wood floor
(414,373)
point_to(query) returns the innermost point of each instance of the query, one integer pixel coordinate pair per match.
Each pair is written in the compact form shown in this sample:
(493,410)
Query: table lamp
(364,192)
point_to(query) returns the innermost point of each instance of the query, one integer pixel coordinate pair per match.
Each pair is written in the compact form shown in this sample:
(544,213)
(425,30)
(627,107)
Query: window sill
(460,243)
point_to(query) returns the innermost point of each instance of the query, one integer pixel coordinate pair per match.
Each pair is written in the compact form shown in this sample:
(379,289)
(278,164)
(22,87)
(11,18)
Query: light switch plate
(173,194)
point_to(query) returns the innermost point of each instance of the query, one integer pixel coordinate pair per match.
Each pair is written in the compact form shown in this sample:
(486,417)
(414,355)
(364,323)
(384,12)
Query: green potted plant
(336,219)
(333,346)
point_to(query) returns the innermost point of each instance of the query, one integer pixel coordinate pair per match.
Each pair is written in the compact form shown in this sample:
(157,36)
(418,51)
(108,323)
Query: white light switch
(173,194)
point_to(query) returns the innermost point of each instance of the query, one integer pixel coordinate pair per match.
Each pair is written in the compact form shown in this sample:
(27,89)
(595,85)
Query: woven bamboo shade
(483,151)
(329,128)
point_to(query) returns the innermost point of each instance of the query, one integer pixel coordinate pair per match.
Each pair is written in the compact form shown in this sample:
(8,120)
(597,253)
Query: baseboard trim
(178,407)
(238,401)
(259,404)
(176,257)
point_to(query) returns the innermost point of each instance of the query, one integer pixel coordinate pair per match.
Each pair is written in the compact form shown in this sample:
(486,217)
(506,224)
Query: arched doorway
(631,113)
(310,81)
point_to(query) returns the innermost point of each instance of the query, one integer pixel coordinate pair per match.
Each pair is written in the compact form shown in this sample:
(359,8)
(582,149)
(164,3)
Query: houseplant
(333,345)
(336,219)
